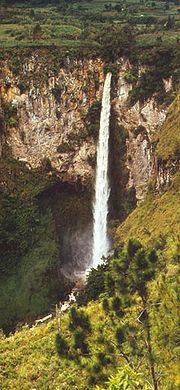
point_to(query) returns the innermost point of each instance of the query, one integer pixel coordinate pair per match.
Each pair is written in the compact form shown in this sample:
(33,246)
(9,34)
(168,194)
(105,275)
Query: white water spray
(102,191)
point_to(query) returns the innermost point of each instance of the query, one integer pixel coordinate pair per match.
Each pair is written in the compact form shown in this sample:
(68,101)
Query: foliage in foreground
(128,337)
(132,334)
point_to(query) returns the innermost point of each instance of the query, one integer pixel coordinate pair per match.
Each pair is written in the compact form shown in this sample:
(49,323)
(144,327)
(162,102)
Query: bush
(103,358)
(126,378)
(112,68)
(12,122)
(140,259)
(10,115)
(92,119)
(78,318)
(37,32)
(116,306)
(152,256)
(116,41)
(61,344)
(105,305)
(120,337)
(46,165)
(94,285)
(133,246)
(130,76)
(80,341)
(1,123)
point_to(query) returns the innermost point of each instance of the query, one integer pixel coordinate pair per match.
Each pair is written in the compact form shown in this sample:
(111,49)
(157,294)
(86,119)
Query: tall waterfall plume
(102,190)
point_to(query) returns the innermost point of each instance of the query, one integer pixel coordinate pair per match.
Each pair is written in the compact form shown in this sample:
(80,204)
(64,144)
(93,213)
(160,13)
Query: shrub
(10,115)
(78,318)
(12,122)
(92,160)
(1,123)
(46,165)
(116,306)
(61,344)
(103,358)
(126,378)
(105,305)
(37,32)
(119,335)
(80,341)
(94,285)
(140,259)
(112,68)
(93,118)
(130,76)
(133,246)
(152,256)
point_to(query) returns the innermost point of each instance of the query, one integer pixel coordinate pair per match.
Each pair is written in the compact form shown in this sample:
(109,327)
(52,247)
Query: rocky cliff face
(141,121)
(47,118)
(51,111)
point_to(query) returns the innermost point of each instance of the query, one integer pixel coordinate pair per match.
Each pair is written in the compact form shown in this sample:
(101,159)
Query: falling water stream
(100,207)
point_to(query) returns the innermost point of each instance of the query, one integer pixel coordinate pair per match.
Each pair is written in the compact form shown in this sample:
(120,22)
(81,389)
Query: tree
(132,273)
(126,378)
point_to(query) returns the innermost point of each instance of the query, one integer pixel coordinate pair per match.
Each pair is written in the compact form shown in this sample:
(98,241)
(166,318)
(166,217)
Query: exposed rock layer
(51,119)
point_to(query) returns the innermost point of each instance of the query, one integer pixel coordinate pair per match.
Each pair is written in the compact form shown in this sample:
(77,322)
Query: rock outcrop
(51,112)
(141,121)
(46,114)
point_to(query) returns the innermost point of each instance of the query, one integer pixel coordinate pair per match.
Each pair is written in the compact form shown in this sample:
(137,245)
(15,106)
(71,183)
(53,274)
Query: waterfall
(100,206)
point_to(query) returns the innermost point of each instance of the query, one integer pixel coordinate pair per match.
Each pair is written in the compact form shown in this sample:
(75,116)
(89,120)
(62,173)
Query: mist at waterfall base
(101,244)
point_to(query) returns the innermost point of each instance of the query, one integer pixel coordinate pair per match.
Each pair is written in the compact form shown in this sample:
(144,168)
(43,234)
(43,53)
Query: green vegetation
(159,64)
(156,220)
(69,23)
(138,31)
(30,252)
(10,115)
(123,330)
(92,119)
(131,339)
(168,139)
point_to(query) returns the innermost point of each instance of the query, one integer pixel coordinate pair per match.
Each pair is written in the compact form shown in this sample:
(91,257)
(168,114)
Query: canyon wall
(52,117)
(50,111)
(49,123)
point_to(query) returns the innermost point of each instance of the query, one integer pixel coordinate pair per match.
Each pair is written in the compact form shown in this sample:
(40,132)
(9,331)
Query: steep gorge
(49,127)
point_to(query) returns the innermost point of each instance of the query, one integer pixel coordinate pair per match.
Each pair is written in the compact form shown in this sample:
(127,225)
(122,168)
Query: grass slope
(168,146)
(155,221)
(29,359)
